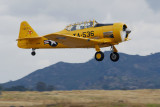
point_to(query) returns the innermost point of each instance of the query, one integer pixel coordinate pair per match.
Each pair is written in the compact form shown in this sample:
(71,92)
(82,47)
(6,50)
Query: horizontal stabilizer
(31,38)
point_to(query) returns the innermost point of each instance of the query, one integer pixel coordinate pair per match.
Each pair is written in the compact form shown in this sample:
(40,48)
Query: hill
(130,72)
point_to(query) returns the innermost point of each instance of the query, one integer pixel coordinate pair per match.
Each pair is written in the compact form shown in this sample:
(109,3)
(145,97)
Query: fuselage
(99,31)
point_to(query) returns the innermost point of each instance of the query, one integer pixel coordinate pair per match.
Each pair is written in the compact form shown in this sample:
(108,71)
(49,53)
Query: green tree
(1,88)
(50,88)
(16,88)
(41,86)
(105,87)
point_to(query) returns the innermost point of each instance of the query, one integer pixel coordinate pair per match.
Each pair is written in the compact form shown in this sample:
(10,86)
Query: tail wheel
(99,56)
(33,53)
(114,56)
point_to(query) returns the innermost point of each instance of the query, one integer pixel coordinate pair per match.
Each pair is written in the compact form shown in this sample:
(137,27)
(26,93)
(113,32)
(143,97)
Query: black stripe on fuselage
(100,25)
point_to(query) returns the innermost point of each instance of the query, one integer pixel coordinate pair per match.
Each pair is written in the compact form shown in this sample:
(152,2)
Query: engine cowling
(120,32)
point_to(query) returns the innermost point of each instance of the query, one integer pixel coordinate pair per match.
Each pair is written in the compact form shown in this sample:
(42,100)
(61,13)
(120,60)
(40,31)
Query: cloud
(154,4)
(48,16)
(60,10)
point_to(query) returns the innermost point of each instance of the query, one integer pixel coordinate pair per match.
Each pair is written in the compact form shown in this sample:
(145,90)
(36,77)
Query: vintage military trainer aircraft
(88,34)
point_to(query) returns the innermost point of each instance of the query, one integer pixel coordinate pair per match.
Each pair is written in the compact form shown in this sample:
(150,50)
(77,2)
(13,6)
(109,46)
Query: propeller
(125,32)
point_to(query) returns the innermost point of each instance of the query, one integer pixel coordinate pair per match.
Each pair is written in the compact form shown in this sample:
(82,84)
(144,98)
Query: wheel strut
(114,56)
(113,49)
(99,56)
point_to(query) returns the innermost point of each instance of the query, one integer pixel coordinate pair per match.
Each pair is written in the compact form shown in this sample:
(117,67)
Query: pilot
(73,28)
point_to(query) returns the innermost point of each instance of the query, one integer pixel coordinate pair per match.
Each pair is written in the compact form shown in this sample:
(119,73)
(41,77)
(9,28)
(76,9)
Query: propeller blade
(128,31)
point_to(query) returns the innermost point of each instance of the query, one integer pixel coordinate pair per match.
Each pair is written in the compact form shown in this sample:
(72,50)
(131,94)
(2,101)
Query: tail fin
(26,31)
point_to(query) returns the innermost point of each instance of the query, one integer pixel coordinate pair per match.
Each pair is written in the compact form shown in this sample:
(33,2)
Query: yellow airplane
(88,34)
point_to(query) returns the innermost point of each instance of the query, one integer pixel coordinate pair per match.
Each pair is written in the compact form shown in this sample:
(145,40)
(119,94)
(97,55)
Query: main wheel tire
(33,53)
(99,56)
(114,56)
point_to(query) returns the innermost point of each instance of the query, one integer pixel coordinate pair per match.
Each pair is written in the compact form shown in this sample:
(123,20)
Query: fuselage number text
(85,34)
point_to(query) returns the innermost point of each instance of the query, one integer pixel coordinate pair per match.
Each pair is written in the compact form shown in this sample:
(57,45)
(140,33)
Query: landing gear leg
(114,56)
(33,53)
(99,56)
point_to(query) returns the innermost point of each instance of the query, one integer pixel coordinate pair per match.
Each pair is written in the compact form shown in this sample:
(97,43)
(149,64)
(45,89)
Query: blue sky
(48,16)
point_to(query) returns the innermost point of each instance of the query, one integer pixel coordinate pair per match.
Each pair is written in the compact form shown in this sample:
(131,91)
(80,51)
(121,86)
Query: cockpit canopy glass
(82,25)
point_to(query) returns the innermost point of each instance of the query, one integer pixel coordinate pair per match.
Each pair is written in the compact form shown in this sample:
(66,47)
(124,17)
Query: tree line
(40,86)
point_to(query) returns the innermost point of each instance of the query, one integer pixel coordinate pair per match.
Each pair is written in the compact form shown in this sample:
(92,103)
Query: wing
(72,41)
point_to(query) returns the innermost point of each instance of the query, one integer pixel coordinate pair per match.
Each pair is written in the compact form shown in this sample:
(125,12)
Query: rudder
(26,31)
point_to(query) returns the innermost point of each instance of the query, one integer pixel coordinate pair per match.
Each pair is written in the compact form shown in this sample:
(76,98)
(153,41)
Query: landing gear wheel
(99,56)
(33,53)
(114,56)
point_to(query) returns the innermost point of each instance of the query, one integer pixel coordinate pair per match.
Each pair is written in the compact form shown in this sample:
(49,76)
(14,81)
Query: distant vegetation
(40,86)
(16,88)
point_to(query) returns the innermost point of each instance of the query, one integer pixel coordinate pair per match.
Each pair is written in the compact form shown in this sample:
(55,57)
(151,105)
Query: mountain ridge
(130,72)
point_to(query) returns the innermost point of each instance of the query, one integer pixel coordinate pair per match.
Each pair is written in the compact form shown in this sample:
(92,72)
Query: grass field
(85,98)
